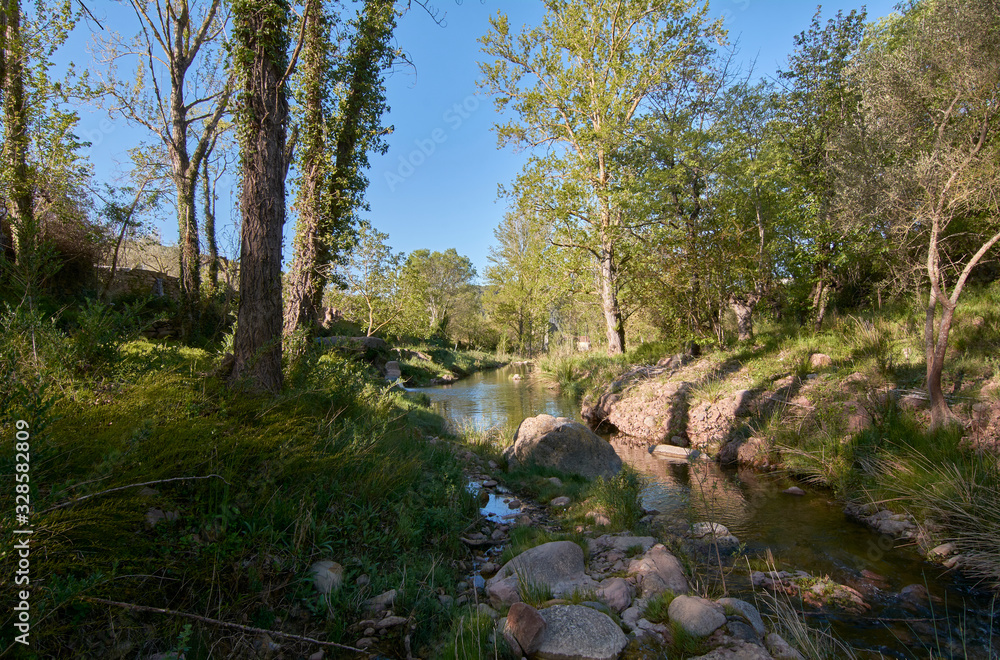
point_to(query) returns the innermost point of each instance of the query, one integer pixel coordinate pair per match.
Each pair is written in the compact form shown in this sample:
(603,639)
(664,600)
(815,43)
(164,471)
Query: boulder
(616,593)
(780,649)
(573,632)
(558,564)
(526,626)
(658,571)
(327,576)
(392,370)
(697,616)
(564,445)
(735,649)
(745,610)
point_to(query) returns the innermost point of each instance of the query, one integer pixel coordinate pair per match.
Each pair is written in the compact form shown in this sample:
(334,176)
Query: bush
(621,497)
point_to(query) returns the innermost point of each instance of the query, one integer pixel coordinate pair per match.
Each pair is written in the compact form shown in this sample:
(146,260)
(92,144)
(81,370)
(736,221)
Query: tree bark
(614,327)
(261,42)
(21,213)
(210,242)
(327,203)
(189,251)
(743,308)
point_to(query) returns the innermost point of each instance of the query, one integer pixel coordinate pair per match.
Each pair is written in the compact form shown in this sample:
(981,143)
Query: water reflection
(498,397)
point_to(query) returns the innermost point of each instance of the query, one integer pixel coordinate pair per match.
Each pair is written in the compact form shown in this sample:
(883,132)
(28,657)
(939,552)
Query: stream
(809,533)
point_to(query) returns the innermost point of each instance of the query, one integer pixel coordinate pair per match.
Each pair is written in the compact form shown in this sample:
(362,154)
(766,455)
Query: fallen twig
(224,624)
(111,490)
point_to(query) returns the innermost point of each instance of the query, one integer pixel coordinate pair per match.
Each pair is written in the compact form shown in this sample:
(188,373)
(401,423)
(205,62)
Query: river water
(809,533)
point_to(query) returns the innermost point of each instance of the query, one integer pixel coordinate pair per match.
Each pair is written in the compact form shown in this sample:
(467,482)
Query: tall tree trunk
(24,232)
(189,252)
(614,326)
(743,308)
(210,242)
(935,350)
(327,200)
(261,43)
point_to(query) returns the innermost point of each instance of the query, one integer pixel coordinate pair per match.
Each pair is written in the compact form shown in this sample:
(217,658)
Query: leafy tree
(525,279)
(261,62)
(372,274)
(820,103)
(179,92)
(438,285)
(577,84)
(931,92)
(341,111)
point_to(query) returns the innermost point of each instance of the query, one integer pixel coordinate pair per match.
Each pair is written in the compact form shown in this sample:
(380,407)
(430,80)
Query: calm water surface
(809,533)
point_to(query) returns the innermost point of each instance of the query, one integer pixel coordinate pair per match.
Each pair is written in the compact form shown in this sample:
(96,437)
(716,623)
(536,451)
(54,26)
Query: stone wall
(141,281)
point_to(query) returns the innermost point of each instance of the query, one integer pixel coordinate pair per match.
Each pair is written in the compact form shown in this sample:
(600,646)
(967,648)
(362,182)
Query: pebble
(490,483)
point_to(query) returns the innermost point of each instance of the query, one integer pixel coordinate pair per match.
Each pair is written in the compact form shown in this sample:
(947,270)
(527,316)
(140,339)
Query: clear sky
(436,187)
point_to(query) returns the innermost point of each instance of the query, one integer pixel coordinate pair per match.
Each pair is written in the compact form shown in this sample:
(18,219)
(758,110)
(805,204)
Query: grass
(335,467)
(444,362)
(657,606)
(620,497)
(472,637)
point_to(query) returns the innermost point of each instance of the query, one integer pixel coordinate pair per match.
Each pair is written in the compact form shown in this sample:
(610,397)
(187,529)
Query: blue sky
(436,187)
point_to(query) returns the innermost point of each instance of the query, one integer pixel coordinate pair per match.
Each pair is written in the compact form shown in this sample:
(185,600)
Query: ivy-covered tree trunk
(330,192)
(189,252)
(210,242)
(261,43)
(21,205)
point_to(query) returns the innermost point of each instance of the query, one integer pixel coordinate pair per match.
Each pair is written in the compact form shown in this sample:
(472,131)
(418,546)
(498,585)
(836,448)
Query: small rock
(363,580)
(318,655)
(446,601)
(742,631)
(820,360)
(941,551)
(556,481)
(489,483)
(560,501)
(148,492)
(598,518)
(794,490)
(514,504)
(328,576)
(488,569)
(390,622)
(493,465)
(369,631)
(696,615)
(366,642)
(616,592)
(780,649)
(953,561)
(703,529)
(381,602)
(488,611)
(154,516)
(527,626)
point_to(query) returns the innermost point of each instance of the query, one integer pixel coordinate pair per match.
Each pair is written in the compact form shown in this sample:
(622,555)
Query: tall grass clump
(620,497)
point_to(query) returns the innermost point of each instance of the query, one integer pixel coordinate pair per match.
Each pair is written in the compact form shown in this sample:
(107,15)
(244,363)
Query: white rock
(328,576)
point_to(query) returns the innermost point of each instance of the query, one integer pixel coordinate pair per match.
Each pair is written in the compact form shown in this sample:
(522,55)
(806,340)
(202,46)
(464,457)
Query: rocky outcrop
(654,411)
(564,445)
(711,423)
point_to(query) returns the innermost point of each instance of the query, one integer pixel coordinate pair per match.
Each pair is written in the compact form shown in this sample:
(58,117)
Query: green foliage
(620,497)
(657,606)
(469,639)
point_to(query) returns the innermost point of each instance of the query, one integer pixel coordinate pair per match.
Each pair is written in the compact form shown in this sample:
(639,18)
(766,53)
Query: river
(809,533)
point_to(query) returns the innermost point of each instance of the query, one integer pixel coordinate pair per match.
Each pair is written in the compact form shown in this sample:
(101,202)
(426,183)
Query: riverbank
(715,564)
(175,517)
(839,409)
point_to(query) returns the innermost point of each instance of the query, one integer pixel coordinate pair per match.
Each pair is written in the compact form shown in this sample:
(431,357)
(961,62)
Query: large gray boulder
(558,565)
(564,445)
(573,632)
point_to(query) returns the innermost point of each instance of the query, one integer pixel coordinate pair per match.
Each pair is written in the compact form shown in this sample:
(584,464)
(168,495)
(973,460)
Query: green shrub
(621,497)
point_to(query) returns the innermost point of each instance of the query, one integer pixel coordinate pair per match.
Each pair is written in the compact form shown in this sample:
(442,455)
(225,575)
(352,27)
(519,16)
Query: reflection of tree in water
(711,494)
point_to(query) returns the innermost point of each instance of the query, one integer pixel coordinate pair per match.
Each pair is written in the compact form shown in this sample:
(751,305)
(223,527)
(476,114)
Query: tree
(372,274)
(336,135)
(524,279)
(820,104)
(931,92)
(577,84)
(437,284)
(261,62)
(180,92)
